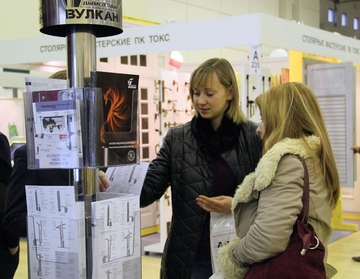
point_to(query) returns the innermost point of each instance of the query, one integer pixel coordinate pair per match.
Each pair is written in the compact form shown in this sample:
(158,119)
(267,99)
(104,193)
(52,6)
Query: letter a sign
(255,60)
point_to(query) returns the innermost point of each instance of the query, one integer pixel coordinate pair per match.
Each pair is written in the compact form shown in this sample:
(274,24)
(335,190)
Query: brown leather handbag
(303,258)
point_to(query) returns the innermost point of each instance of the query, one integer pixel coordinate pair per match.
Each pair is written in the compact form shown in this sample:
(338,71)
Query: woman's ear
(230,95)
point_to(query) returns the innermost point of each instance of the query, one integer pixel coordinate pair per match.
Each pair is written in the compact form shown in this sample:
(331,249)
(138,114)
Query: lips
(203,110)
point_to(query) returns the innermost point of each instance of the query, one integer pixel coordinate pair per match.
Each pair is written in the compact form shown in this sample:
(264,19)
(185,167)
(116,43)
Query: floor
(344,245)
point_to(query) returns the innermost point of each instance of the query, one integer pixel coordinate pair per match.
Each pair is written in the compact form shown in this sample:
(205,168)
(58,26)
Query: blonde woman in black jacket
(202,161)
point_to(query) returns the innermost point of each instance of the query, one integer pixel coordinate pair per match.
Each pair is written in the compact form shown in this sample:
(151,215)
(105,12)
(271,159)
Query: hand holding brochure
(127,179)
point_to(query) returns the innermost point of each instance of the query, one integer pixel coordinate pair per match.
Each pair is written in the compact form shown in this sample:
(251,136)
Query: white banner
(264,30)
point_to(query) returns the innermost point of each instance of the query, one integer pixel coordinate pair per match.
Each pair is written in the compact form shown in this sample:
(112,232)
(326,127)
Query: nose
(258,130)
(201,99)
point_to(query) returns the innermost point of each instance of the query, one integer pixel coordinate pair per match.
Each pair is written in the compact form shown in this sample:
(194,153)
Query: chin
(205,116)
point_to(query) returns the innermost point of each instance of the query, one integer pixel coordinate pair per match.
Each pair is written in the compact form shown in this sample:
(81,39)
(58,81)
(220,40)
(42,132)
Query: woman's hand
(220,204)
(103,181)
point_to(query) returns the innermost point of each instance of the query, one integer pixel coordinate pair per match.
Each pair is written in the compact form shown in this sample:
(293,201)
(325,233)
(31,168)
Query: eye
(196,93)
(209,92)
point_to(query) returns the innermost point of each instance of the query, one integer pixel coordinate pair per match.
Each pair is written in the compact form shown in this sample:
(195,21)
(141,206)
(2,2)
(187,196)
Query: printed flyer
(116,238)
(56,233)
(57,134)
(119,131)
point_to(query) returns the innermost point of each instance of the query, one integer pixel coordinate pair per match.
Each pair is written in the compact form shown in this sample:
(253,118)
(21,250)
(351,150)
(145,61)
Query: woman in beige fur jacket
(268,202)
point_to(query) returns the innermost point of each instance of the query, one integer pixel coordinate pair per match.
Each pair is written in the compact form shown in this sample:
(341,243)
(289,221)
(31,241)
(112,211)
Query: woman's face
(211,100)
(261,129)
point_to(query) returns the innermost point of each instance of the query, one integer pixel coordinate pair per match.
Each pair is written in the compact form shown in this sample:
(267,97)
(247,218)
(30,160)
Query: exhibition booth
(325,61)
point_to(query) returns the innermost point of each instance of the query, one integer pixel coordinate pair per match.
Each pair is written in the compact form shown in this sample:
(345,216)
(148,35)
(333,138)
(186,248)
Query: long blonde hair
(226,75)
(291,110)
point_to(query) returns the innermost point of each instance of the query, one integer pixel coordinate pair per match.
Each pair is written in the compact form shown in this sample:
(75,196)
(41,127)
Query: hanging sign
(255,60)
(57,18)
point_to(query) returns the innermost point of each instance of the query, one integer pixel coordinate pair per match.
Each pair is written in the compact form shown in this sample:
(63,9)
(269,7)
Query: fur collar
(267,166)
(215,142)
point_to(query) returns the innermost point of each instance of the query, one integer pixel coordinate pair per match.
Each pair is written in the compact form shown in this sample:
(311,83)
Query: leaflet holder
(80,22)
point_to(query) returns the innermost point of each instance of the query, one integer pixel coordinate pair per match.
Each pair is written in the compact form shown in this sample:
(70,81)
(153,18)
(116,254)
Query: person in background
(268,202)
(356,149)
(202,161)
(9,252)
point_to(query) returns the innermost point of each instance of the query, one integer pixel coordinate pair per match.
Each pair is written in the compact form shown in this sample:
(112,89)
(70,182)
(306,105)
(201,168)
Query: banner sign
(194,35)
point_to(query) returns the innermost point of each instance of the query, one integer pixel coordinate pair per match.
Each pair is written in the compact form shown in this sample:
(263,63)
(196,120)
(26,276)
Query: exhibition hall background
(22,23)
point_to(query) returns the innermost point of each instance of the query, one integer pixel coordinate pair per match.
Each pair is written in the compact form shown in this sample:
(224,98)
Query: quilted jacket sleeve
(158,175)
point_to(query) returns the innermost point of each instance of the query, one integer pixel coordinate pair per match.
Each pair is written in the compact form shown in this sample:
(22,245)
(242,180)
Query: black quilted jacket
(189,169)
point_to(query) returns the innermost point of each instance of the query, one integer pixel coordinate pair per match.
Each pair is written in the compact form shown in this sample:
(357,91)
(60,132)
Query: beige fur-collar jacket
(268,202)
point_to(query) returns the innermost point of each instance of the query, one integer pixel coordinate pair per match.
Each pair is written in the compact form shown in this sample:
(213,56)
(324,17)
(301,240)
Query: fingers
(103,182)
(221,204)
(205,203)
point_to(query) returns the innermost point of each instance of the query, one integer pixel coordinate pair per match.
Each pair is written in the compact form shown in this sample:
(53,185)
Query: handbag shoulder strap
(304,214)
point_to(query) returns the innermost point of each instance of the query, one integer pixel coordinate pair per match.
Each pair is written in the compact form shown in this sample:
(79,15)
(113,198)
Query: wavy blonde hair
(291,110)
(226,75)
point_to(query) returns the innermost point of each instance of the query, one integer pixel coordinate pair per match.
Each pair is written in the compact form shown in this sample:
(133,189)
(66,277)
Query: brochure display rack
(56,234)
(82,124)
(58,126)
(54,131)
